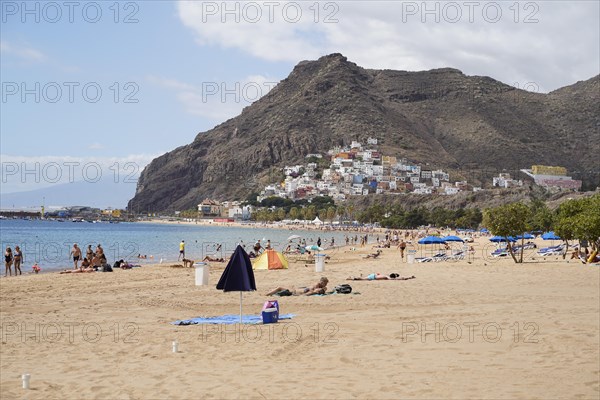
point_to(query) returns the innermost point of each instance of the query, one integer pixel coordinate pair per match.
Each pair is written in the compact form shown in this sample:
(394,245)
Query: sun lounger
(459,255)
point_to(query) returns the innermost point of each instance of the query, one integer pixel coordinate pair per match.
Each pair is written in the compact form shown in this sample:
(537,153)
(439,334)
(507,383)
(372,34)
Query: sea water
(49,243)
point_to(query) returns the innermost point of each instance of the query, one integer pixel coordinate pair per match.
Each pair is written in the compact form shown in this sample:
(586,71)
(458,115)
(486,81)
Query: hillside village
(363,170)
(360,170)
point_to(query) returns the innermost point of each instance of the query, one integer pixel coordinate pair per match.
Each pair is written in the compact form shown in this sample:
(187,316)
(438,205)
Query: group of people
(13,258)
(92,261)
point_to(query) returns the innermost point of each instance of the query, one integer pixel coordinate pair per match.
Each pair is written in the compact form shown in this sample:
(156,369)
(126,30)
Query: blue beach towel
(228,319)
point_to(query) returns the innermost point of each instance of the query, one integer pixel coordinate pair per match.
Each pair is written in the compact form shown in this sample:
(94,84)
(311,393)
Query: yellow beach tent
(270,259)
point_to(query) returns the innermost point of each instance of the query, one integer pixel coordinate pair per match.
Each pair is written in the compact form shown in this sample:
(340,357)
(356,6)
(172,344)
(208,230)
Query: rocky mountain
(473,126)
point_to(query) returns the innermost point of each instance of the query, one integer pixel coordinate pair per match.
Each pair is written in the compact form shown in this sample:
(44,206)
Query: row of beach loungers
(557,250)
(459,255)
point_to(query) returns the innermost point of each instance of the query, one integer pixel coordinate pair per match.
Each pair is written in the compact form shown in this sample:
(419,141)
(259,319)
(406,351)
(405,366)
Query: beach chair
(440,257)
(459,255)
(557,250)
(499,253)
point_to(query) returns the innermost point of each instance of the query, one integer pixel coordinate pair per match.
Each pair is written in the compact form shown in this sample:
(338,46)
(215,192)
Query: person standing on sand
(76,253)
(181,250)
(18,258)
(8,261)
(402,247)
(89,254)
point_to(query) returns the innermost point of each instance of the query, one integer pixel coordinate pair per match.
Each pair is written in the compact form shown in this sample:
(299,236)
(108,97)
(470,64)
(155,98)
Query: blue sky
(174,58)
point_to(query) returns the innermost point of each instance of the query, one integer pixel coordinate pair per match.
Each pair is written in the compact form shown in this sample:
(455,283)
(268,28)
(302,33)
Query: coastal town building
(552,177)
(210,208)
(505,181)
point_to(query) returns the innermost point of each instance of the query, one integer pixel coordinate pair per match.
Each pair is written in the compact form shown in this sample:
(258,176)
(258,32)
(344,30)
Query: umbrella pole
(240,306)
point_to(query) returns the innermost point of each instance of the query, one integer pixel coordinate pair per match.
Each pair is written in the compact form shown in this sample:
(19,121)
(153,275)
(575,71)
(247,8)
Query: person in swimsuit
(89,254)
(18,258)
(8,261)
(379,277)
(76,253)
(402,247)
(318,288)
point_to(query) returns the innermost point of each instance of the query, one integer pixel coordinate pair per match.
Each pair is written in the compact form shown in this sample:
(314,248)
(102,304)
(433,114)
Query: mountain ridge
(471,125)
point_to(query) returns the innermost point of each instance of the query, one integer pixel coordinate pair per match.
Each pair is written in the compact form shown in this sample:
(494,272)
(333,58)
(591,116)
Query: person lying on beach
(216,259)
(379,277)
(77,271)
(318,288)
(374,255)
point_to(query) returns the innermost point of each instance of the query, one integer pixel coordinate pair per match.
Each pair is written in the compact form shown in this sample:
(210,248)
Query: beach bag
(343,289)
(106,268)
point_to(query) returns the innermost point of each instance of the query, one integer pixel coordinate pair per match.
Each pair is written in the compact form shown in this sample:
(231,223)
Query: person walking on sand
(8,261)
(402,247)
(181,250)
(18,259)
(76,253)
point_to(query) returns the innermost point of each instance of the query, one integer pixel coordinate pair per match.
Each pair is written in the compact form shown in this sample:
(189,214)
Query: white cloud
(24,173)
(96,146)
(23,52)
(217,100)
(549,43)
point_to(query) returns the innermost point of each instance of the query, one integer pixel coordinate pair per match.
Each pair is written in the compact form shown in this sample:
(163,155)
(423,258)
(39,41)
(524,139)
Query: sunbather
(77,271)
(215,259)
(319,288)
(379,277)
(374,255)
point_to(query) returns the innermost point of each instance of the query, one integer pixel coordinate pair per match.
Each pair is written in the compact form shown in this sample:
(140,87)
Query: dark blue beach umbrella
(238,275)
(453,239)
(484,230)
(498,239)
(550,236)
(431,240)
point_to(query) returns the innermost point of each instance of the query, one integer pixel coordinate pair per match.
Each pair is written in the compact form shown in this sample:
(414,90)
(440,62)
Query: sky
(95,90)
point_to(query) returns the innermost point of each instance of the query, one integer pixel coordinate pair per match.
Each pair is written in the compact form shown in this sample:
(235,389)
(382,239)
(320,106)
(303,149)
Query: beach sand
(488,329)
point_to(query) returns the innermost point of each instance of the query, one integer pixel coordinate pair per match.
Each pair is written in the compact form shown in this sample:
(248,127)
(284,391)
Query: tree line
(574,219)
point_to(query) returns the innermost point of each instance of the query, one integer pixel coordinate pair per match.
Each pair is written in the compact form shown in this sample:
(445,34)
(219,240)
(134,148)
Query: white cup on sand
(175,346)
(26,378)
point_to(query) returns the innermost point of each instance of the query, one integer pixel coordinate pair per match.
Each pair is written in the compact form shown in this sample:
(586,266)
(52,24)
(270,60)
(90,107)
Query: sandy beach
(478,329)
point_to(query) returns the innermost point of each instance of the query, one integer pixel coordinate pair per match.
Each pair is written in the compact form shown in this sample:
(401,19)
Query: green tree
(541,216)
(331,213)
(280,214)
(566,221)
(294,213)
(341,211)
(509,220)
(580,219)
